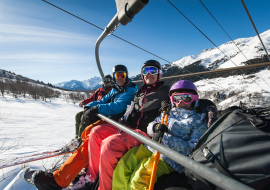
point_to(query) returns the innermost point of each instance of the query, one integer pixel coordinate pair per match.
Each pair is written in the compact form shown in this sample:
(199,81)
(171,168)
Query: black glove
(89,114)
(160,128)
(157,136)
(165,106)
(94,110)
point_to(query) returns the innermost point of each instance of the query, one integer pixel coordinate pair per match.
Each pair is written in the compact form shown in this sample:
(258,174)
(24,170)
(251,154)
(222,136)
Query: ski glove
(165,106)
(89,114)
(160,128)
(158,136)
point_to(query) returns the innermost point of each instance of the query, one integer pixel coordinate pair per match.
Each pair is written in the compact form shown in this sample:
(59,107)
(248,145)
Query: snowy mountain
(214,59)
(225,56)
(88,84)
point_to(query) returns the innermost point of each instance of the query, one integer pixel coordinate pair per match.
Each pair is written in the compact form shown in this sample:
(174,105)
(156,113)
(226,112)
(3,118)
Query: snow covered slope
(28,126)
(214,59)
(33,126)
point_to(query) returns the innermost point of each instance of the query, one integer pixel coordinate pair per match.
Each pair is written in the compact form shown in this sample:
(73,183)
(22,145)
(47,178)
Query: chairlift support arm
(126,10)
(108,30)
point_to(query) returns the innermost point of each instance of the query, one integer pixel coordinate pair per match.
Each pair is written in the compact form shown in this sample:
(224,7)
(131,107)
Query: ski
(8,162)
(67,149)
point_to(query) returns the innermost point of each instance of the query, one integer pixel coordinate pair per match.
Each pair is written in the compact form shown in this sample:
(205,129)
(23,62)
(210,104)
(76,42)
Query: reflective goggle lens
(120,74)
(106,80)
(151,70)
(184,97)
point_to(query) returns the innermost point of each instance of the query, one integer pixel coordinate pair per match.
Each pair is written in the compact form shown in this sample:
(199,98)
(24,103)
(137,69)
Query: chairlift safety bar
(207,173)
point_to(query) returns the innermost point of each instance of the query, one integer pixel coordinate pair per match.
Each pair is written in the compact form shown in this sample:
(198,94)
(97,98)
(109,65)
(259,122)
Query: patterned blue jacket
(185,127)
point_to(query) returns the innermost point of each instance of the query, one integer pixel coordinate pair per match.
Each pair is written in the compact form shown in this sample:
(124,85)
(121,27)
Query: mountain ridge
(224,56)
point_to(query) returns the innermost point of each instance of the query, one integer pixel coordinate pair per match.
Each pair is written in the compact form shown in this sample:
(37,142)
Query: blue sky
(44,43)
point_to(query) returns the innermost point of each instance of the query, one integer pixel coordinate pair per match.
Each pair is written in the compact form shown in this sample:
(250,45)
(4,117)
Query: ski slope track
(31,127)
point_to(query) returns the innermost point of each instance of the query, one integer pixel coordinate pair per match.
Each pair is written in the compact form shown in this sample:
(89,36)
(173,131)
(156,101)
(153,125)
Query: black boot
(45,181)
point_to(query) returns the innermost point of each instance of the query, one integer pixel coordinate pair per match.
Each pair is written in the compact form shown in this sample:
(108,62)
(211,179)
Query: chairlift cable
(103,30)
(232,40)
(201,32)
(222,28)
(244,5)
(113,34)
(71,14)
(207,37)
(140,48)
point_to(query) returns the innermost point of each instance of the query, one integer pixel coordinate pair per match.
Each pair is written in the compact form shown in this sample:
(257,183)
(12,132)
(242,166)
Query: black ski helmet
(108,76)
(119,68)
(154,63)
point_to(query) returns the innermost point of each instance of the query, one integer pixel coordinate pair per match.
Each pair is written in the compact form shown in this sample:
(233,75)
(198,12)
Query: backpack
(236,145)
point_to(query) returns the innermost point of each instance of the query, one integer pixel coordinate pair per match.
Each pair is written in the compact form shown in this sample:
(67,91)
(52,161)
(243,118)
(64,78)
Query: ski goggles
(186,98)
(106,80)
(151,70)
(120,74)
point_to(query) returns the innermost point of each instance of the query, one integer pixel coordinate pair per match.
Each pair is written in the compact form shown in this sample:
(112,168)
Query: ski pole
(157,155)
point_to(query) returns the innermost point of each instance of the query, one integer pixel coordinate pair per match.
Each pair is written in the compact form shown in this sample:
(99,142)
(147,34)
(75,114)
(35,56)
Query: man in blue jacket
(114,104)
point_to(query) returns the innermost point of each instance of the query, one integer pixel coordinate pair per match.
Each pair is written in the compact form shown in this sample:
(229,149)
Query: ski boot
(45,181)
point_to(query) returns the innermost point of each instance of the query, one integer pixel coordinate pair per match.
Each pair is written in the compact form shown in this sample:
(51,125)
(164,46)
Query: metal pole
(108,30)
(216,71)
(207,173)
(244,5)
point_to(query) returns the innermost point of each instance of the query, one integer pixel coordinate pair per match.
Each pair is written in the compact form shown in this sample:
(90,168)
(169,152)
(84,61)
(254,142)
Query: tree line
(20,88)
(14,77)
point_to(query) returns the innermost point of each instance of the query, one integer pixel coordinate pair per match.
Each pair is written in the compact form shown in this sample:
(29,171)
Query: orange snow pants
(77,161)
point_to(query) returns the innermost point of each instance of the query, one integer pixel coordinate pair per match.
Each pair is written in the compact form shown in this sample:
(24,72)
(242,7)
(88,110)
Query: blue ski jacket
(116,101)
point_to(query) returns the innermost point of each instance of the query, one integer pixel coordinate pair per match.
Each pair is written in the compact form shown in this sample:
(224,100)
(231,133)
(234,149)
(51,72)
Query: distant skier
(80,125)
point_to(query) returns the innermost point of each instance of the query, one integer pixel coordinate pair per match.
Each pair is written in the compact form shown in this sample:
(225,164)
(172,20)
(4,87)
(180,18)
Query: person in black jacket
(109,143)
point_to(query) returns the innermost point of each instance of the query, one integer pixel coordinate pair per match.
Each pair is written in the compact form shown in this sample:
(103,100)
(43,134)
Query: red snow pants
(77,161)
(107,144)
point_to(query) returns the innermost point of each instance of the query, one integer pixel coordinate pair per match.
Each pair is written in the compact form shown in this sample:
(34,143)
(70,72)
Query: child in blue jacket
(186,124)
